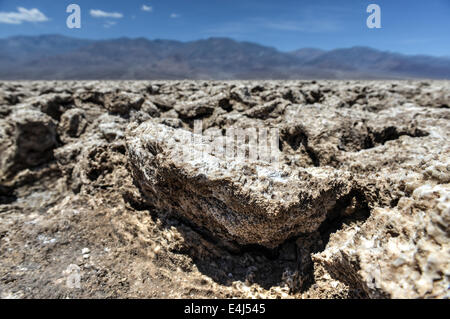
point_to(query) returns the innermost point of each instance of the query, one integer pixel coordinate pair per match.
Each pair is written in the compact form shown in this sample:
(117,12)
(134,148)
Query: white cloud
(243,28)
(22,15)
(109,24)
(103,14)
(174,15)
(310,26)
(146,8)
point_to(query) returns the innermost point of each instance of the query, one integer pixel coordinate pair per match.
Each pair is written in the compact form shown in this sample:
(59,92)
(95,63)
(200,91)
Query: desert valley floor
(95,202)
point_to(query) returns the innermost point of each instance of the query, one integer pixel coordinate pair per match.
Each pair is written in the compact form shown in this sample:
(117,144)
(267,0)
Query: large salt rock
(248,201)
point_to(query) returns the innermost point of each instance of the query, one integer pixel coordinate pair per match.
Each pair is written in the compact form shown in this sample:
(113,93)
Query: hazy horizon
(228,38)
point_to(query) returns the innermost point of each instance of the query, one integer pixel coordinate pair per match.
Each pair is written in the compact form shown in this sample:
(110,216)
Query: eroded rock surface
(251,202)
(357,204)
(401,252)
(28,138)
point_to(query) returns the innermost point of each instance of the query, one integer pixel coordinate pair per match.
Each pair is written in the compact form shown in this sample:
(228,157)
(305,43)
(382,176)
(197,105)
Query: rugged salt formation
(357,204)
(401,252)
(28,139)
(251,202)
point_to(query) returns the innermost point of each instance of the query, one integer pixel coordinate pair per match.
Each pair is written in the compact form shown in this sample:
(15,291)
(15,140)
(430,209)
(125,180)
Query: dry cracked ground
(91,186)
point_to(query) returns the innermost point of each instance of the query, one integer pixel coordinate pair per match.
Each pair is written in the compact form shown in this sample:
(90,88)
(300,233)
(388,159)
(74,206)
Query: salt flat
(356,202)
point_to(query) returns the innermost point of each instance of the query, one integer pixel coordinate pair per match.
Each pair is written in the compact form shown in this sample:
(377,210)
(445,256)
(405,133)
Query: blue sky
(408,26)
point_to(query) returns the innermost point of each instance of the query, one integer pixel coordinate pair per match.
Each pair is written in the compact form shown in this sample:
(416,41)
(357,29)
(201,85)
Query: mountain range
(56,57)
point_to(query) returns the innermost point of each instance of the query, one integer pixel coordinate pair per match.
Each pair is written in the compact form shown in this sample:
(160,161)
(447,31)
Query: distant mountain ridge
(55,57)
